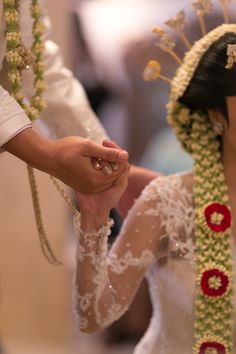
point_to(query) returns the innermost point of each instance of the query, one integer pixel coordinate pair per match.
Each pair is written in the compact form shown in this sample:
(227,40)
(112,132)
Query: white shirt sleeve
(12,117)
(68,111)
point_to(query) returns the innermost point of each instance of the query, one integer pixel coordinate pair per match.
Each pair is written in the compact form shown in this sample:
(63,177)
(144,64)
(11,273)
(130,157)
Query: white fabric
(157,238)
(68,111)
(12,117)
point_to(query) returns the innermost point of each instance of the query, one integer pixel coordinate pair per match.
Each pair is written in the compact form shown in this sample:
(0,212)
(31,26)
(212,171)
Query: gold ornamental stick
(177,23)
(202,8)
(152,72)
(225,10)
(166,43)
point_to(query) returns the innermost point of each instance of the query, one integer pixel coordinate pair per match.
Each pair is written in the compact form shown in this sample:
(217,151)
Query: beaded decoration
(213,234)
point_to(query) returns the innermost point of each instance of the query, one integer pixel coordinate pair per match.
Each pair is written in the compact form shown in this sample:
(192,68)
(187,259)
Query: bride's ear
(217,120)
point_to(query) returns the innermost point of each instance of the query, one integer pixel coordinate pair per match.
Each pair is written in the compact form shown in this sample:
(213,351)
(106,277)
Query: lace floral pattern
(119,265)
(156,239)
(176,213)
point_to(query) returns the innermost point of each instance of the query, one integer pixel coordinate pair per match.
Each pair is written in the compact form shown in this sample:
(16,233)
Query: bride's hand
(97,206)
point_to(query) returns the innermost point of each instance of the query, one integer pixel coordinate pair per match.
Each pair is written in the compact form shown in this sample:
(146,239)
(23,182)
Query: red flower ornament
(220,348)
(218,217)
(214,282)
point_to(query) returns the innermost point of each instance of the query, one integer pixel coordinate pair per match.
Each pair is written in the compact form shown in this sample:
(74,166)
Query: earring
(218,128)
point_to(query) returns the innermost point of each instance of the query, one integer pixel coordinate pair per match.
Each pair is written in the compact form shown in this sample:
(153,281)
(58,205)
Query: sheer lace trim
(88,240)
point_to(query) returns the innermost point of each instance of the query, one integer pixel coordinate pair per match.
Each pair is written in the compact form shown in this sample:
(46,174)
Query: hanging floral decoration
(218,217)
(19,58)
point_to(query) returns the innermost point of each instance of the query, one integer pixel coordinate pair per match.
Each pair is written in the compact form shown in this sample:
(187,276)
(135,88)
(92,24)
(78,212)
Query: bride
(179,233)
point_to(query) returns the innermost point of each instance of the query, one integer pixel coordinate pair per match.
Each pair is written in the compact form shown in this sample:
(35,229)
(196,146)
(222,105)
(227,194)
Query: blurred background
(106,43)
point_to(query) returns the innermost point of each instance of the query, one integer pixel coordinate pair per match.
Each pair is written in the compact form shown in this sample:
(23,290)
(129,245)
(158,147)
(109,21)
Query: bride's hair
(212,82)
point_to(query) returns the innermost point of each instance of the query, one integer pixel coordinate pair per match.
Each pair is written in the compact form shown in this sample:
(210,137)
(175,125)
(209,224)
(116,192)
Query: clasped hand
(97,206)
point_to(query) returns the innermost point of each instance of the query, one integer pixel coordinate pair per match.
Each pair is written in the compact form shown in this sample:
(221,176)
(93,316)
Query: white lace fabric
(107,281)
(157,239)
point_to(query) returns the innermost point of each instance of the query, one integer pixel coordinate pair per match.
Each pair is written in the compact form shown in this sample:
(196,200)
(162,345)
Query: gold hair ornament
(152,72)
(166,43)
(225,9)
(231,53)
(202,8)
(178,24)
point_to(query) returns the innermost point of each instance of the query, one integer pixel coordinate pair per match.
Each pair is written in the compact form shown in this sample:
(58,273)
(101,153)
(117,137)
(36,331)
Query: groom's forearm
(33,149)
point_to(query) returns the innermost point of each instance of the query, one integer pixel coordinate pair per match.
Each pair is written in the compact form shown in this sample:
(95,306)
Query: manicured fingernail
(115,166)
(107,169)
(123,155)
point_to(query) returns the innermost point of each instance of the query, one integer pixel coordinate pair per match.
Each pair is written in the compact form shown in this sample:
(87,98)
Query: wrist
(93,220)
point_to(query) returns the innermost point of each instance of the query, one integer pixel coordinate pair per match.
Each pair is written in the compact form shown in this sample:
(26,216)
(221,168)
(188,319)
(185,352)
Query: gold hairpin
(201,9)
(178,23)
(231,53)
(225,10)
(166,43)
(152,72)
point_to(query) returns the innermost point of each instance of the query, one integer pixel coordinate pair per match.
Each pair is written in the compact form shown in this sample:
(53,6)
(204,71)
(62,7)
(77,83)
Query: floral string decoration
(19,59)
(213,234)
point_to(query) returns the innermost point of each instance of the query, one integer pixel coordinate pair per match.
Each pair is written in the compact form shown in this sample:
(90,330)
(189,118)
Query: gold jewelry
(231,53)
(96,163)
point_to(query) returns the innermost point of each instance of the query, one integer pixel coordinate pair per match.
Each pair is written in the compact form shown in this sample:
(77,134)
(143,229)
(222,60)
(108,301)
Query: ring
(96,163)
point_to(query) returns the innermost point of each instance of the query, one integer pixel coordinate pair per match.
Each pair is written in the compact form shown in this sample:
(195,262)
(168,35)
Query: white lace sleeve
(106,282)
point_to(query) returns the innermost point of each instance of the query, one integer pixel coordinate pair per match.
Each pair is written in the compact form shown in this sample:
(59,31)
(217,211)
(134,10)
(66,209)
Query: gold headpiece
(178,23)
(231,53)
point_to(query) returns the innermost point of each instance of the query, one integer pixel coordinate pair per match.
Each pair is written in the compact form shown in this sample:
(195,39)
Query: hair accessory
(225,9)
(153,71)
(166,43)
(202,8)
(231,53)
(178,24)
